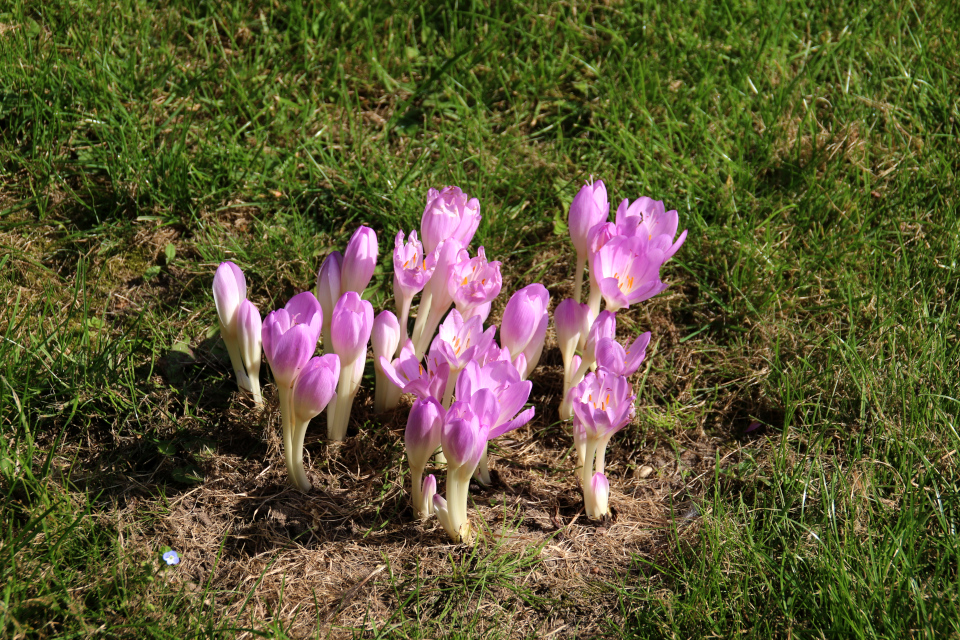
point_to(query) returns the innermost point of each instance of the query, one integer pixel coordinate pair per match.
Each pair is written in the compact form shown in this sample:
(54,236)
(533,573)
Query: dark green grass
(812,150)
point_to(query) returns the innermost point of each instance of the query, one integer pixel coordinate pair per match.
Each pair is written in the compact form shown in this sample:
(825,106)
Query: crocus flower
(289,340)
(597,497)
(436,298)
(409,374)
(602,405)
(614,358)
(463,437)
(511,393)
(328,291)
(449,213)
(359,260)
(411,272)
(627,271)
(458,342)
(473,282)
(350,331)
(250,344)
(427,492)
(229,291)
(312,392)
(524,325)
(290,337)
(605,326)
(421,439)
(571,320)
(648,217)
(385,338)
(588,209)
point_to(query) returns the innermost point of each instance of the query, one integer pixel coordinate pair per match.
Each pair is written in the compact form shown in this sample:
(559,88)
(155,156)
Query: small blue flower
(171,557)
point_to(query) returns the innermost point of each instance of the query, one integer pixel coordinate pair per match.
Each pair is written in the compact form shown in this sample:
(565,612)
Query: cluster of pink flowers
(469,388)
(625,257)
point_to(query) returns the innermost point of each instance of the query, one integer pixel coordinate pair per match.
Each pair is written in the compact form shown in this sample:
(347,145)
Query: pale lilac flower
(385,339)
(328,292)
(648,217)
(459,341)
(421,439)
(473,282)
(250,345)
(605,326)
(427,492)
(229,292)
(411,272)
(313,390)
(350,331)
(359,260)
(571,319)
(171,557)
(612,357)
(627,271)
(449,213)
(290,337)
(597,497)
(588,209)
(409,374)
(523,328)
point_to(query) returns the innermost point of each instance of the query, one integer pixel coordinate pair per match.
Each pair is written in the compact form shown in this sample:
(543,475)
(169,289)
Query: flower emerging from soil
(238,327)
(349,332)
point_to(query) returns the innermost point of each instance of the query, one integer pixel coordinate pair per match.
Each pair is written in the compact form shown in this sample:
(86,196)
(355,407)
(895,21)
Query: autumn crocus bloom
(627,271)
(571,319)
(473,282)
(511,392)
(421,439)
(289,341)
(328,291)
(648,217)
(229,291)
(605,326)
(523,328)
(385,339)
(312,391)
(602,405)
(614,358)
(463,437)
(588,209)
(436,298)
(597,499)
(449,213)
(349,332)
(411,272)
(250,343)
(409,374)
(458,342)
(359,260)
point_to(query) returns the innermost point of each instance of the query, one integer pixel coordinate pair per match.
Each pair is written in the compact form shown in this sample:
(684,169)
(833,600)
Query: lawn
(793,469)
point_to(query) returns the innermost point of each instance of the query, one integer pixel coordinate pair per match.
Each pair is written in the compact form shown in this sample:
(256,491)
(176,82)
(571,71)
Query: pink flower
(449,213)
(409,374)
(524,325)
(473,282)
(411,268)
(359,260)
(315,386)
(229,290)
(623,362)
(459,341)
(290,336)
(603,404)
(588,209)
(648,217)
(627,271)
(351,326)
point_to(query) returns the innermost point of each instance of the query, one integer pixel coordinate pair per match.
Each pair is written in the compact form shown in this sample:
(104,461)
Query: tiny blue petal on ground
(171,557)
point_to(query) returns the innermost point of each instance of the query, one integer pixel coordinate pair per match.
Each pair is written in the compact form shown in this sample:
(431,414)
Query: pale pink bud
(359,260)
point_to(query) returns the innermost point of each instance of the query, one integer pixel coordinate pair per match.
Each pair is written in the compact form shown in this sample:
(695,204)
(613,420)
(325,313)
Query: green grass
(811,148)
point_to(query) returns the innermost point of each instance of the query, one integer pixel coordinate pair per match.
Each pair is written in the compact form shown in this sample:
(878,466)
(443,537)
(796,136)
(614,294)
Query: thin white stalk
(586,480)
(423,311)
(602,453)
(403,311)
(482,473)
(416,491)
(578,277)
(236,361)
(346,391)
(297,473)
(422,343)
(451,385)
(566,406)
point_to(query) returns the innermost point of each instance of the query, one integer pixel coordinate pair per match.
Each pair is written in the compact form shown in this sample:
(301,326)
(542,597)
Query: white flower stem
(416,491)
(578,277)
(602,453)
(422,343)
(403,310)
(451,385)
(586,480)
(292,445)
(347,388)
(236,361)
(482,474)
(423,311)
(297,473)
